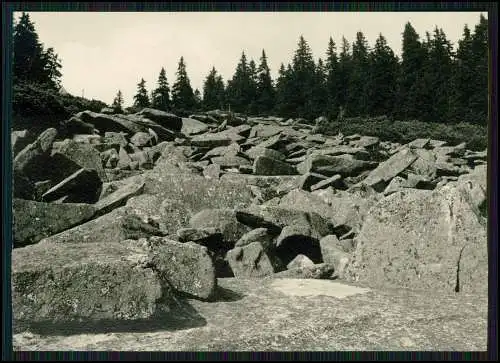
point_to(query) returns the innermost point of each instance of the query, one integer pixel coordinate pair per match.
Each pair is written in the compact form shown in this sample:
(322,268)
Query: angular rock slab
(83,281)
(33,221)
(83,186)
(119,225)
(424,240)
(222,219)
(264,165)
(391,167)
(187,267)
(250,261)
(120,196)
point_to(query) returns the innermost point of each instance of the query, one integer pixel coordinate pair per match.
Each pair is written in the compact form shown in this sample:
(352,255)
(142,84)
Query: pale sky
(102,52)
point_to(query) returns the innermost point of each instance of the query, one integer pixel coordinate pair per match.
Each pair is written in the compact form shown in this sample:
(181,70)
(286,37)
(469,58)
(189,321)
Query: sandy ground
(286,315)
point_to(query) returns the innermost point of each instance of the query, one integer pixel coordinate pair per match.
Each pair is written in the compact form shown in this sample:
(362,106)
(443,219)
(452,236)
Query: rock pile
(114,215)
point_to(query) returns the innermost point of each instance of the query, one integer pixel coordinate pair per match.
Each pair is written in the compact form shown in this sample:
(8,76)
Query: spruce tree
(320,93)
(303,79)
(197,99)
(382,79)
(333,83)
(239,89)
(438,70)
(252,88)
(118,102)
(182,93)
(265,89)
(461,80)
(141,99)
(213,91)
(479,101)
(343,76)
(413,57)
(284,105)
(161,95)
(30,62)
(357,88)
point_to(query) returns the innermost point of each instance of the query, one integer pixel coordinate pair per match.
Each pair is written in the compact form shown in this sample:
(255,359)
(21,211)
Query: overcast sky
(102,52)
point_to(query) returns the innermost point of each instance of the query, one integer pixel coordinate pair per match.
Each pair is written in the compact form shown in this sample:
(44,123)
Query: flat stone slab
(311,287)
(253,315)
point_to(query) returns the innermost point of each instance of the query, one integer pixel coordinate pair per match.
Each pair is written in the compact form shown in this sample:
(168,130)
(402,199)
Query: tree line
(430,81)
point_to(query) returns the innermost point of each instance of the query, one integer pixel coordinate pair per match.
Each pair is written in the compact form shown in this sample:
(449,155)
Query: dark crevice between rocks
(457,285)
(296,245)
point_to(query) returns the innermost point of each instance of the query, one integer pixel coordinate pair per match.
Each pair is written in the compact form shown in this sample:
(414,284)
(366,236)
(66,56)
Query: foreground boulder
(424,240)
(187,267)
(250,261)
(33,221)
(109,281)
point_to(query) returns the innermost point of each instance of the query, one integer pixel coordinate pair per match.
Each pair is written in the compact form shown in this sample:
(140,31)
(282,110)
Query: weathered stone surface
(285,215)
(111,123)
(119,197)
(250,261)
(424,239)
(327,316)
(83,186)
(27,162)
(317,271)
(33,221)
(197,234)
(107,282)
(187,267)
(119,225)
(357,152)
(333,254)
(256,151)
(300,262)
(396,184)
(260,235)
(368,142)
(213,140)
(142,139)
(307,180)
(267,166)
(115,139)
(344,165)
(343,208)
(190,126)
(230,161)
(335,181)
(390,168)
(212,171)
(419,143)
(224,220)
(84,155)
(162,118)
(124,159)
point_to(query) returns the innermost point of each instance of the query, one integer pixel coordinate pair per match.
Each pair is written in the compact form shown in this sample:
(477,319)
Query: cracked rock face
(424,240)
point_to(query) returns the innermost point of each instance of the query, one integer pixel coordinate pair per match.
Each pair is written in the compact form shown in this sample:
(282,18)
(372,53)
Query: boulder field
(122,219)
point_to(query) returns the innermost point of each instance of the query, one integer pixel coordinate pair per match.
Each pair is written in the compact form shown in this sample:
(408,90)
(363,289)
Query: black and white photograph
(225,181)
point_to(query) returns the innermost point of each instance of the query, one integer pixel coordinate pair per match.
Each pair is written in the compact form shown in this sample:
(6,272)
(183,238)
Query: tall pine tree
(30,62)
(303,80)
(161,95)
(357,100)
(461,80)
(182,93)
(479,100)
(141,99)
(213,91)
(117,104)
(265,90)
(239,89)
(410,73)
(344,76)
(333,83)
(382,79)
